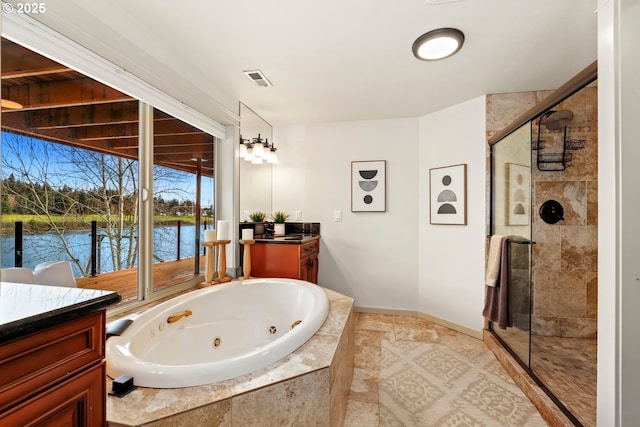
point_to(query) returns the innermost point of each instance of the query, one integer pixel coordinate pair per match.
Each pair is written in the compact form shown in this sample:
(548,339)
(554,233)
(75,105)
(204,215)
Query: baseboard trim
(410,313)
(451,325)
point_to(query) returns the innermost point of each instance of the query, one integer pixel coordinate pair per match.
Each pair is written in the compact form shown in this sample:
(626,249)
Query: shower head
(556,120)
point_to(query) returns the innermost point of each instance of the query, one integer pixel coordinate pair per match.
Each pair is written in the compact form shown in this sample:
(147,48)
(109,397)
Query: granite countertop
(295,239)
(29,308)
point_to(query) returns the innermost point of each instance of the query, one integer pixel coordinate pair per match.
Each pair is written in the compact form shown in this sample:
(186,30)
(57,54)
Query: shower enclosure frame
(577,83)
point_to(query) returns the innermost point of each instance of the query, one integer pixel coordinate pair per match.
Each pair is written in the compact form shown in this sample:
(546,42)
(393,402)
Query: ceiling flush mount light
(13,105)
(438,44)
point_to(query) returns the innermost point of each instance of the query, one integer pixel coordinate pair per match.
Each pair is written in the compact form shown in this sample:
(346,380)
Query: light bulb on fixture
(273,157)
(258,149)
(249,156)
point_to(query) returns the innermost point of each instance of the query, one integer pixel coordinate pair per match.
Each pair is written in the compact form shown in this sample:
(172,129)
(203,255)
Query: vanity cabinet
(294,259)
(52,355)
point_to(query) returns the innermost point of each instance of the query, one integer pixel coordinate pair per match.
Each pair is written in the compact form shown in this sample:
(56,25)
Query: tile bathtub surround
(412,372)
(297,390)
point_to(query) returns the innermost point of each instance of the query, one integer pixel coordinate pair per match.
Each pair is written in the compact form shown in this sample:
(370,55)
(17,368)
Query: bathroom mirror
(255,179)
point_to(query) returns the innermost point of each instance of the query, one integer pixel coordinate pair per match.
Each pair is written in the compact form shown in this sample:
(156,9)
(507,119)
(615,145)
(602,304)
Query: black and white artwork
(448,195)
(368,186)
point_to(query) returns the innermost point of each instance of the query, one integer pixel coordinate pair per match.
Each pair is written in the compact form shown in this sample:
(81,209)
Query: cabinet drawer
(29,365)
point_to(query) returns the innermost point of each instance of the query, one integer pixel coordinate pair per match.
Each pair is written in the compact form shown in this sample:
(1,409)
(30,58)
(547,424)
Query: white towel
(493,260)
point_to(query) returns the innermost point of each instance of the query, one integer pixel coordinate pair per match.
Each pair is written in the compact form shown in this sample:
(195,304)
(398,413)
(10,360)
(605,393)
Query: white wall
(607,254)
(629,199)
(451,257)
(396,259)
(369,256)
(619,209)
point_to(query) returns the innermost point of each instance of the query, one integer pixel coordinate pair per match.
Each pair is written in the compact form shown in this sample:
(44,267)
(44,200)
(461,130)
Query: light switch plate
(298,216)
(337,215)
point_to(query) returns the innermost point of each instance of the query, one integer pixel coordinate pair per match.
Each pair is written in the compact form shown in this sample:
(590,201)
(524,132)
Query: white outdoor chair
(17,275)
(55,273)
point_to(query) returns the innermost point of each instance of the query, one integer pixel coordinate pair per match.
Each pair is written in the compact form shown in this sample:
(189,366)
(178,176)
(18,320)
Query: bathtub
(217,333)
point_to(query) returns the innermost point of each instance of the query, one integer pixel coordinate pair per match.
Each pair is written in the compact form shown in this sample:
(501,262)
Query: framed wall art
(448,195)
(518,203)
(368,186)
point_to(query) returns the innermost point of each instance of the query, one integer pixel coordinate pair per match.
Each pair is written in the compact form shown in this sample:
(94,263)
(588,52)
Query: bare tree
(67,187)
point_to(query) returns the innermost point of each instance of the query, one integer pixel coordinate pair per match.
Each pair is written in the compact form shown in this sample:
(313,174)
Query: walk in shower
(544,184)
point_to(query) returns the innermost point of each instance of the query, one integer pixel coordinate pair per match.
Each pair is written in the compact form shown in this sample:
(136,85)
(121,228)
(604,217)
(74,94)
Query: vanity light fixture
(438,44)
(258,150)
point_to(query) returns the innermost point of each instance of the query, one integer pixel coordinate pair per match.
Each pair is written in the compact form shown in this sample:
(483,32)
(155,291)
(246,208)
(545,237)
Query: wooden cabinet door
(275,260)
(309,269)
(77,402)
(309,261)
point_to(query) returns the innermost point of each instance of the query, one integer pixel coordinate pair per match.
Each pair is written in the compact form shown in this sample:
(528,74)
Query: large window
(182,198)
(71,165)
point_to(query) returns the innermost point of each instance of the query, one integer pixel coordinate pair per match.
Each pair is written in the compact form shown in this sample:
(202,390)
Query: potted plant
(279,218)
(259,218)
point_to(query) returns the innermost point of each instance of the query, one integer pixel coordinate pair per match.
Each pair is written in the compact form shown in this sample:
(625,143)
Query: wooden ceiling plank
(79,116)
(35,72)
(62,94)
(18,61)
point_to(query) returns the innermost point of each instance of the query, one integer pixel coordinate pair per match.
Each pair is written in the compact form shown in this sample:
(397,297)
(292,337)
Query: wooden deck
(125,282)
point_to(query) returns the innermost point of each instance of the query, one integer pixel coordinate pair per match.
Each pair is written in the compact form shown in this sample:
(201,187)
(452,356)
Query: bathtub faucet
(176,317)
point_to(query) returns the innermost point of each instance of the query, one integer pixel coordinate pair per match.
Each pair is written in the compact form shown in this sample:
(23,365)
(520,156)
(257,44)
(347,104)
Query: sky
(59,163)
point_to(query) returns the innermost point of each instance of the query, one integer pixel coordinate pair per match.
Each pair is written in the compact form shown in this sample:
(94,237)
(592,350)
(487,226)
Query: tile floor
(412,372)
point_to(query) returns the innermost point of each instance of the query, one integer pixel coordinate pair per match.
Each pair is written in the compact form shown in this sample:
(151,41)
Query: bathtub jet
(231,330)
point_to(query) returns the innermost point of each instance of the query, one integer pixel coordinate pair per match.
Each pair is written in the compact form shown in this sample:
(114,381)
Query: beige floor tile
(412,372)
(364,387)
(361,414)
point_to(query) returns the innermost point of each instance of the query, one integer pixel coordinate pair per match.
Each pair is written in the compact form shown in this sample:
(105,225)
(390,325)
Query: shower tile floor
(412,372)
(567,366)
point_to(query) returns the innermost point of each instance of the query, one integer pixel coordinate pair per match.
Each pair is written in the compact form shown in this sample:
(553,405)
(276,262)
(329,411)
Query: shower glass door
(511,217)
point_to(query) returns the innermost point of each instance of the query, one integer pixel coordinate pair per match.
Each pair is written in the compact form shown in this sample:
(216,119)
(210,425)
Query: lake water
(39,248)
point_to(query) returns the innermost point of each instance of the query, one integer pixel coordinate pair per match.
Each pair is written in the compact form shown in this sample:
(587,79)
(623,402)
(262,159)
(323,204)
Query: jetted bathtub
(217,333)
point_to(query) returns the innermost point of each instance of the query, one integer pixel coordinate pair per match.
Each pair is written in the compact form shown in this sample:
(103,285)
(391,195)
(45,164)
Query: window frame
(33,35)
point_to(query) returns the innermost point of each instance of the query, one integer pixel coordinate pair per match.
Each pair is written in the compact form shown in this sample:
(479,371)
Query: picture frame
(518,194)
(368,186)
(448,195)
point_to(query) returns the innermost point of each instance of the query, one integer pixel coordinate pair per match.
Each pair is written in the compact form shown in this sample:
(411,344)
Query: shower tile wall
(565,254)
(565,257)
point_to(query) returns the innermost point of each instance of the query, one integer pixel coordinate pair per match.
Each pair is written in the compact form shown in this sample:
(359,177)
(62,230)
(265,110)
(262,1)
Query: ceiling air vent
(258,78)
